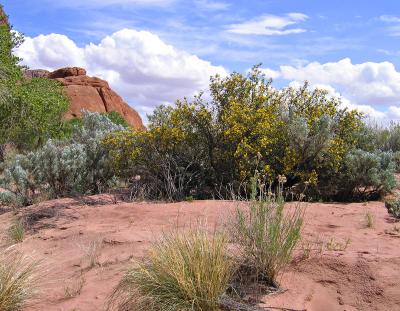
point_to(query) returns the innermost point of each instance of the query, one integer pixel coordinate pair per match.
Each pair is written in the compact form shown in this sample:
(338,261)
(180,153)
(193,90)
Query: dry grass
(184,271)
(18,280)
(369,220)
(311,248)
(265,236)
(335,245)
(91,252)
(16,232)
(74,288)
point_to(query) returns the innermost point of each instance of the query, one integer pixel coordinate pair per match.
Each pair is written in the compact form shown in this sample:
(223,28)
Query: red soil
(363,276)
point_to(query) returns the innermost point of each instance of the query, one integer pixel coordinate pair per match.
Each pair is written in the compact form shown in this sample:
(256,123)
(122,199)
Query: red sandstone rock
(67,72)
(89,93)
(37,73)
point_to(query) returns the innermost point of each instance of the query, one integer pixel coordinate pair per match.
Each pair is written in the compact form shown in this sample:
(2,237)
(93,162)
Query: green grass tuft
(266,236)
(16,231)
(184,271)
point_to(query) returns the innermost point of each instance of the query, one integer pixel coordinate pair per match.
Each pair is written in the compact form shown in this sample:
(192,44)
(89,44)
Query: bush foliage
(197,146)
(31,111)
(78,165)
(393,207)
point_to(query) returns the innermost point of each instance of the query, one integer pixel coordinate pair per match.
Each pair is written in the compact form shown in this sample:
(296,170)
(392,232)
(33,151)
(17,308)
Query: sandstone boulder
(89,93)
(67,72)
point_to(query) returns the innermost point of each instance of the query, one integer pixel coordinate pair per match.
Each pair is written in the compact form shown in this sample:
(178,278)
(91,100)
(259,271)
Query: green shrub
(377,137)
(265,236)
(59,168)
(116,118)
(184,271)
(199,146)
(7,198)
(18,180)
(18,278)
(393,207)
(367,174)
(396,159)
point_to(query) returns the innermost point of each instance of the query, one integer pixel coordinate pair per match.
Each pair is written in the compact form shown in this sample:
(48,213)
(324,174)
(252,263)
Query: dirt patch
(354,282)
(364,275)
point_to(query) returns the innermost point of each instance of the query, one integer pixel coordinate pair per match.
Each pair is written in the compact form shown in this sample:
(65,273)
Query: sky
(154,52)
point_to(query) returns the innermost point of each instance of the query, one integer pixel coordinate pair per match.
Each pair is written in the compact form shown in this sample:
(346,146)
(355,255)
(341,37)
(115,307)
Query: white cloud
(138,65)
(389,19)
(208,5)
(50,52)
(394,21)
(395,112)
(269,25)
(370,87)
(271,74)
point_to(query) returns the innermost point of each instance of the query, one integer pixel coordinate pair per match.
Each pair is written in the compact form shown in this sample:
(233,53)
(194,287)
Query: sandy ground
(350,267)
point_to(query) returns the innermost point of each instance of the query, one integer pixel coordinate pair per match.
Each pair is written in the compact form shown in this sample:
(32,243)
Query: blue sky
(349,47)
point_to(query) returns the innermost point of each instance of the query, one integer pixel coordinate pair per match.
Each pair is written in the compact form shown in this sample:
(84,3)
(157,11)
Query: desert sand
(349,267)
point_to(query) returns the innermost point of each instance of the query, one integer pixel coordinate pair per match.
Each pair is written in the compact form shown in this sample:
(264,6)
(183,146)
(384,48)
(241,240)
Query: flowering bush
(199,146)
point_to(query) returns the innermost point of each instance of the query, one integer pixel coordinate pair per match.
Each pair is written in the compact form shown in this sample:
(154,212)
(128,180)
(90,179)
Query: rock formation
(3,17)
(88,93)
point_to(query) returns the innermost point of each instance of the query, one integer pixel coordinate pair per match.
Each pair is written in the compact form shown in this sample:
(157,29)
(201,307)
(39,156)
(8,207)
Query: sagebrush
(79,165)
(393,207)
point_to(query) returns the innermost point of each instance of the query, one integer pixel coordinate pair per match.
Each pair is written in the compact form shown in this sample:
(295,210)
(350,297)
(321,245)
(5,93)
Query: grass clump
(265,236)
(393,207)
(18,276)
(335,245)
(74,288)
(16,231)
(184,271)
(310,248)
(369,220)
(91,252)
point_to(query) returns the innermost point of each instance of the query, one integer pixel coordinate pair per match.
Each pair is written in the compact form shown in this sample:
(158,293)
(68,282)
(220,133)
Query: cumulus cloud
(269,25)
(371,87)
(138,65)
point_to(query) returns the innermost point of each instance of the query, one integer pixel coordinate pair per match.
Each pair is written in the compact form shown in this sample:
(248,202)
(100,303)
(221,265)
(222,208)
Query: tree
(31,111)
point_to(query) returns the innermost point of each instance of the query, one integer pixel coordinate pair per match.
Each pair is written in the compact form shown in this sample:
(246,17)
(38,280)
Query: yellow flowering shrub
(245,128)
